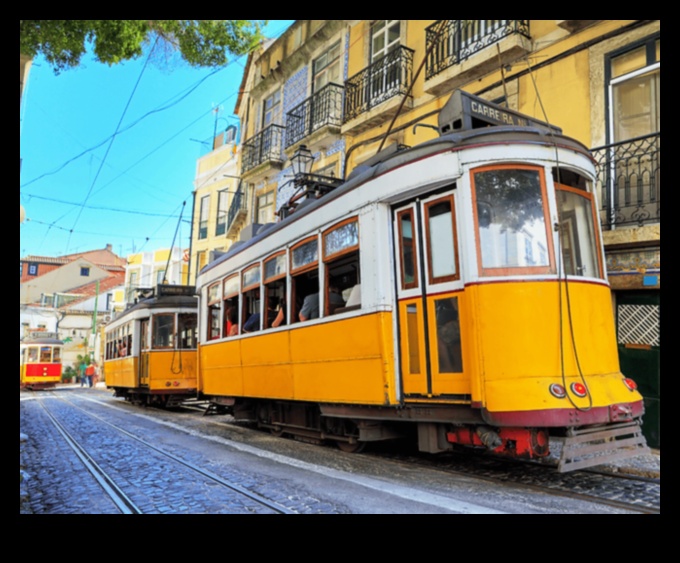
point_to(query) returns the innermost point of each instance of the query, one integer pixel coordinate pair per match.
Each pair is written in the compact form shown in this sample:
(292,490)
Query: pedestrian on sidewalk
(89,373)
(81,370)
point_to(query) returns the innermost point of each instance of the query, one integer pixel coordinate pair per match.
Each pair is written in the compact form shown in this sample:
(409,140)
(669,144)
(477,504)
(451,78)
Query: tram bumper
(591,446)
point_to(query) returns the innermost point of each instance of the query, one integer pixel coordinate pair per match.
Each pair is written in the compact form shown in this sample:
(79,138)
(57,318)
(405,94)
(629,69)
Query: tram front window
(163,328)
(511,219)
(45,355)
(186,327)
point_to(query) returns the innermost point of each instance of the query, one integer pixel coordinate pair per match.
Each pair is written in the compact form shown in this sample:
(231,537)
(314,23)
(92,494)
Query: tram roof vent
(464,111)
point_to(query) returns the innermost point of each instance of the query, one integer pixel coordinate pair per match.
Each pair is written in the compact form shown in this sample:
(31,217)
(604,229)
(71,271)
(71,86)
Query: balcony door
(385,38)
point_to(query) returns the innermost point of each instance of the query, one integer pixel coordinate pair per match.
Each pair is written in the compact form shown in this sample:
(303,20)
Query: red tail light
(630,384)
(579,389)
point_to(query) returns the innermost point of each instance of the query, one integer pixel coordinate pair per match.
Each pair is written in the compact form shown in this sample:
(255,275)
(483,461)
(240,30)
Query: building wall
(216,171)
(61,280)
(145,269)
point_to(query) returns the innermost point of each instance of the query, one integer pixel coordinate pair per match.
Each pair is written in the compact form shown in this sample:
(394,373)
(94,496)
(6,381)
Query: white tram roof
(42,342)
(394,157)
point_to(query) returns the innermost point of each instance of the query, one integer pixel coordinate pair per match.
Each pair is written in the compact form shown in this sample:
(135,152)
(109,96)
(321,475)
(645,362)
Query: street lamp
(309,186)
(301,161)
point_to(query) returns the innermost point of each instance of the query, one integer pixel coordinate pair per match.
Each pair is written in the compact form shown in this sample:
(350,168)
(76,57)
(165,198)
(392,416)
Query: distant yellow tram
(150,349)
(454,291)
(40,363)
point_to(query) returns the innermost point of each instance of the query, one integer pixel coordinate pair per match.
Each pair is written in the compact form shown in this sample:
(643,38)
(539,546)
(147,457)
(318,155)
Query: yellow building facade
(215,188)
(146,270)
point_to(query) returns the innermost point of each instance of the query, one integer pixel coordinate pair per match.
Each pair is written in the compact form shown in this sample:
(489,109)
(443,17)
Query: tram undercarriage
(144,397)
(439,429)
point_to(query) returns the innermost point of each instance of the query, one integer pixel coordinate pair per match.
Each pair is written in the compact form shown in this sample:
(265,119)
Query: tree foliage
(202,43)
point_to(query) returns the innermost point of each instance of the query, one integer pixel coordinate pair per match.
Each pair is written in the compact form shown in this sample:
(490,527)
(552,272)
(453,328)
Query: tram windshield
(511,220)
(45,354)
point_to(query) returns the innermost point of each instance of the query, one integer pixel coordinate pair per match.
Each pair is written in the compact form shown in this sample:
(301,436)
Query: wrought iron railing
(238,203)
(322,109)
(266,145)
(387,77)
(461,39)
(629,181)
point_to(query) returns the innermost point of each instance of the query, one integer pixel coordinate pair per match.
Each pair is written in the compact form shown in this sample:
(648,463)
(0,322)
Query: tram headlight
(630,384)
(556,390)
(579,389)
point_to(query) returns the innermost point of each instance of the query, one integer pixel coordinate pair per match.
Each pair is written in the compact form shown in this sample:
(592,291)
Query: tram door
(429,294)
(144,349)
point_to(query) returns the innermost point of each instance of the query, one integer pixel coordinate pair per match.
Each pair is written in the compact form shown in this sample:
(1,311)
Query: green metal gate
(638,336)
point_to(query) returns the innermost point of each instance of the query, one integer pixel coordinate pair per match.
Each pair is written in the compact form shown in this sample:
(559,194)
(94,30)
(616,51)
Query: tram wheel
(276,431)
(351,447)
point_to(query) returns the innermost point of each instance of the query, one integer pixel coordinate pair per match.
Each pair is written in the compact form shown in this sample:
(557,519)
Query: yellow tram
(461,297)
(40,363)
(150,352)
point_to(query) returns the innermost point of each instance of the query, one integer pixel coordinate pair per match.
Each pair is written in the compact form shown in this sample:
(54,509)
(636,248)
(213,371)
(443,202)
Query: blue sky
(82,187)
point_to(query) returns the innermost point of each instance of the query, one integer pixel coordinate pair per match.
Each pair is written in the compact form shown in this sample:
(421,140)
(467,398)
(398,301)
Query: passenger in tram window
(233,321)
(228,315)
(280,318)
(310,306)
(253,323)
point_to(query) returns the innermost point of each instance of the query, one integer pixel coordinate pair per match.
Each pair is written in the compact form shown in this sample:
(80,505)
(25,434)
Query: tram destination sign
(167,290)
(464,111)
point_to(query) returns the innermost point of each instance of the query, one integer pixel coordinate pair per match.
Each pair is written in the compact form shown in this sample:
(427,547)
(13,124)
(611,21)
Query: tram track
(115,490)
(540,481)
(613,488)
(124,504)
(636,493)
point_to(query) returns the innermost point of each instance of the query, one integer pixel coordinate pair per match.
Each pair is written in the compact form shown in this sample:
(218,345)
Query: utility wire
(113,137)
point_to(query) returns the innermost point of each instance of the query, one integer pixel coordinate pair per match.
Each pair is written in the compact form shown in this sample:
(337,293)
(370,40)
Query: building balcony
(237,214)
(629,182)
(457,50)
(373,96)
(317,120)
(264,150)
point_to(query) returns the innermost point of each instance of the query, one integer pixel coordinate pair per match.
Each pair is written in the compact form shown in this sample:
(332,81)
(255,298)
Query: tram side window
(275,290)
(251,299)
(231,300)
(214,311)
(56,355)
(163,329)
(33,354)
(186,328)
(304,268)
(341,256)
